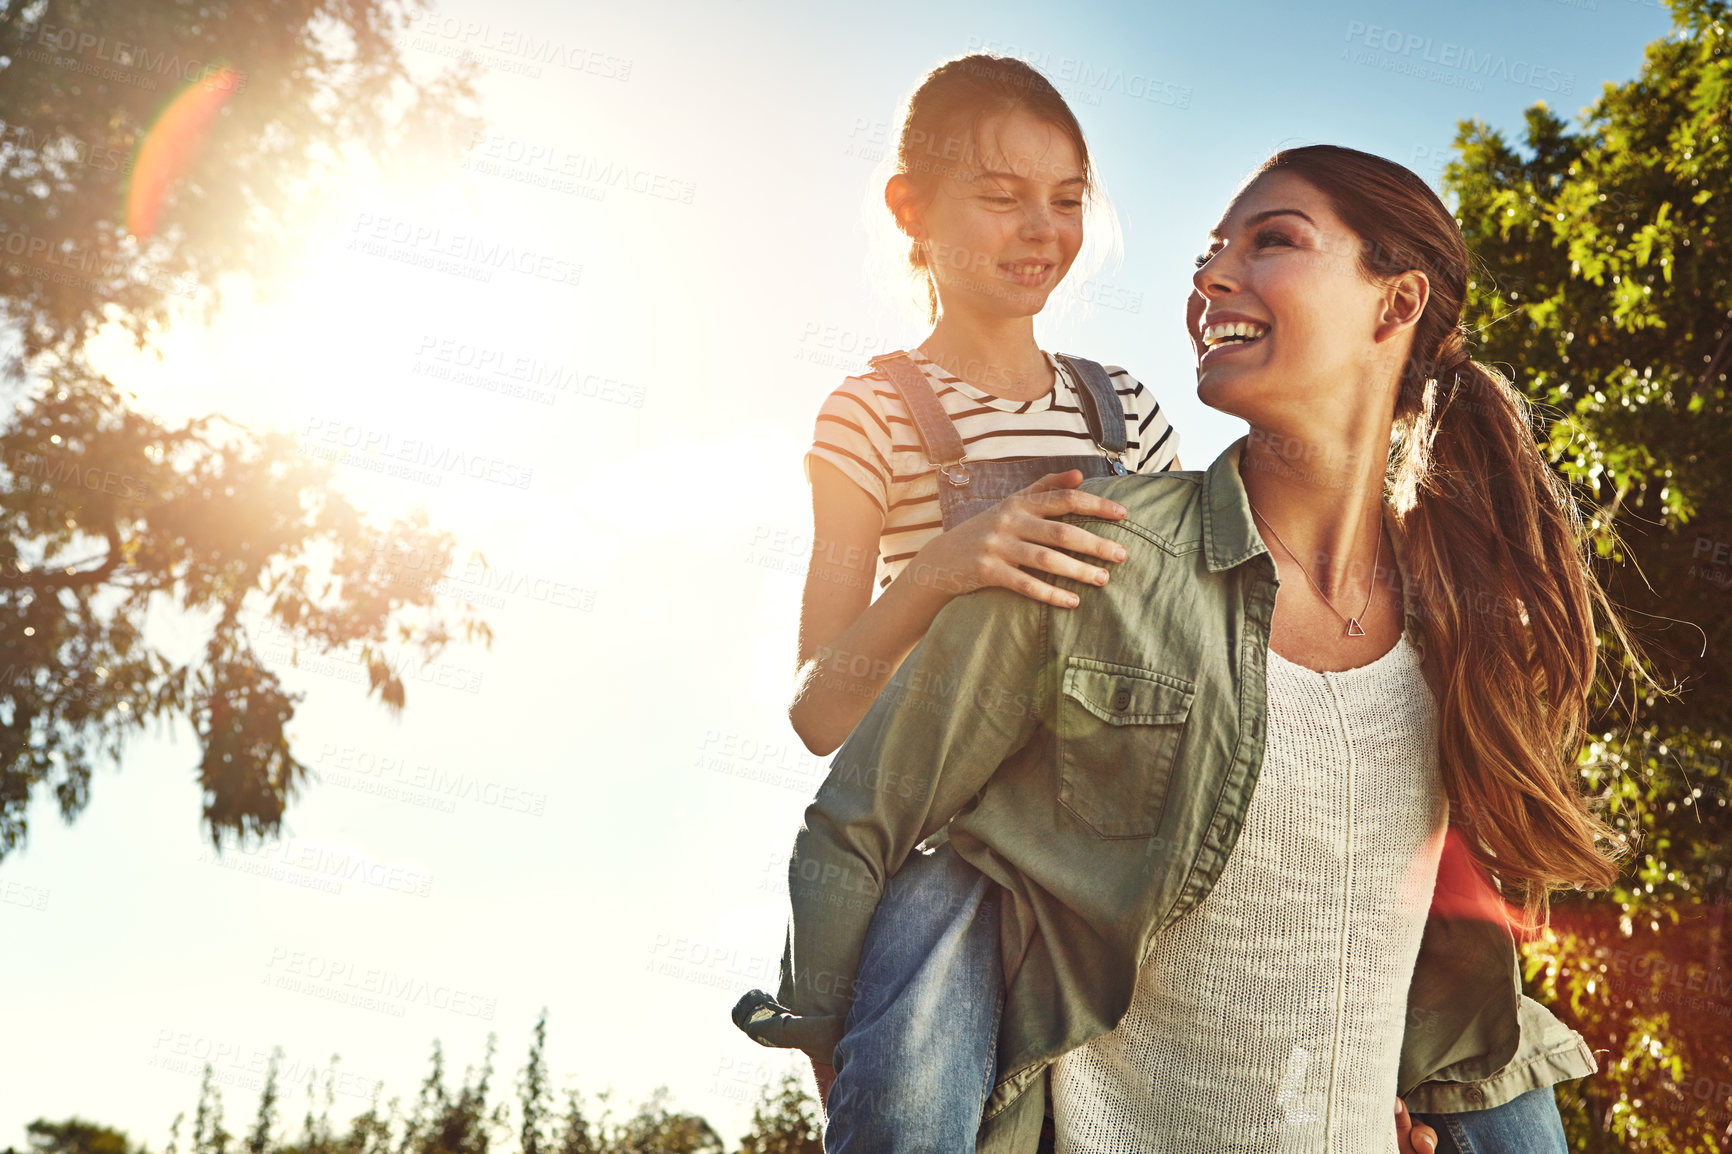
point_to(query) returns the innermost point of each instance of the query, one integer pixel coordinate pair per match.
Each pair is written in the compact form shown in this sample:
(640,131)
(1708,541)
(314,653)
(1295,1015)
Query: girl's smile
(1029,274)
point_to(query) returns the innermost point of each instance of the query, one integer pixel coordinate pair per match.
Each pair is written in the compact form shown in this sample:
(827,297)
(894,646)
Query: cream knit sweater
(1269,1018)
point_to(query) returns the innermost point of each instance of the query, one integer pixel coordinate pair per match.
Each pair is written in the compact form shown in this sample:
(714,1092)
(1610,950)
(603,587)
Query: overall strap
(938,436)
(1100,405)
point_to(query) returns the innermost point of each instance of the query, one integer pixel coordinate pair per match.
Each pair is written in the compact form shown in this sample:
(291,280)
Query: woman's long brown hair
(1496,554)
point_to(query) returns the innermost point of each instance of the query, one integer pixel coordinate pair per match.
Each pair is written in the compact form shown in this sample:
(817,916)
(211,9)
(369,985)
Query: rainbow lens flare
(173,143)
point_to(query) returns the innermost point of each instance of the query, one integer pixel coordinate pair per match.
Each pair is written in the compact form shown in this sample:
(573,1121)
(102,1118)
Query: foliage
(786,1121)
(461,1121)
(109,516)
(1605,251)
(75,1136)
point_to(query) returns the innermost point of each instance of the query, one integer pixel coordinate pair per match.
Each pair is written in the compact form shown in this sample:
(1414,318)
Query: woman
(1215,800)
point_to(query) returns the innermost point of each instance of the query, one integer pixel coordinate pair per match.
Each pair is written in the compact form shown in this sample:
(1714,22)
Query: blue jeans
(1526,1125)
(919,1047)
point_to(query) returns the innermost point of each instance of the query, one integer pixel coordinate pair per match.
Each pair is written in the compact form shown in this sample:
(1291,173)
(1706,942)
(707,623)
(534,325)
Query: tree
(75,1136)
(1605,251)
(655,1129)
(108,514)
(785,1121)
(259,1140)
(209,1136)
(533,1094)
(574,1132)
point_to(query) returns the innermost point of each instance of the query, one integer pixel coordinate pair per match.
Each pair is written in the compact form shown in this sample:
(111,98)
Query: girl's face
(1006,220)
(1290,334)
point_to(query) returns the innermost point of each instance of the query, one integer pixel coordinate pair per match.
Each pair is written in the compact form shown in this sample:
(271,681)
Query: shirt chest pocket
(1118,731)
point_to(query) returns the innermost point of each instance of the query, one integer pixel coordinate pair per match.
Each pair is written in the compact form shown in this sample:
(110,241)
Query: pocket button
(1121,699)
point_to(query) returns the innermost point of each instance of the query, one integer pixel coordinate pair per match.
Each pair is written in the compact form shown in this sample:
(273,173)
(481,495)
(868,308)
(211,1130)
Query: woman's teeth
(1234,332)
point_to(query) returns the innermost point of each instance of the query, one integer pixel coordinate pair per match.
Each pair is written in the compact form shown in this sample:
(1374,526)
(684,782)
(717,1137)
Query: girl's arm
(850,644)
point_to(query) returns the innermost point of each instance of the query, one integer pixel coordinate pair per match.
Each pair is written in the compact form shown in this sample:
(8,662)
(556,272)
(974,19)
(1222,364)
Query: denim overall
(968,487)
(916,1063)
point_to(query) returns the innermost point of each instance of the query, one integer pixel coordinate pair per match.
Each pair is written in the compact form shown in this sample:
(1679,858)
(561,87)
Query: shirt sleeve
(853,434)
(962,702)
(1157,441)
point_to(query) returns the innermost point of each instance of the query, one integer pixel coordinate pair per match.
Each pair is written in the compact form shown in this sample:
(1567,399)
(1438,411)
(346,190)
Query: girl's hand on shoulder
(993,547)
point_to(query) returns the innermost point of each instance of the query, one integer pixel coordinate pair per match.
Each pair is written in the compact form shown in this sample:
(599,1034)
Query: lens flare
(1464,892)
(171,145)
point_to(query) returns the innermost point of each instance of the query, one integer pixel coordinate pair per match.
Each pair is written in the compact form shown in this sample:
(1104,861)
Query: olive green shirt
(1097,763)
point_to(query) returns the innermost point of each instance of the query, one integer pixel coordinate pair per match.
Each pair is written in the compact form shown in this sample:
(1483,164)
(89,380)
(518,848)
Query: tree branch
(78,579)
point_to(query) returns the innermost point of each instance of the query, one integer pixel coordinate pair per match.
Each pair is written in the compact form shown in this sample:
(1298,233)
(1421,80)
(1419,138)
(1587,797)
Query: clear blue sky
(594,816)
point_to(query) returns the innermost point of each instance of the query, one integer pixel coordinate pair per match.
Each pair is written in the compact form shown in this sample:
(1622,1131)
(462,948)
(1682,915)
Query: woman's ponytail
(1508,602)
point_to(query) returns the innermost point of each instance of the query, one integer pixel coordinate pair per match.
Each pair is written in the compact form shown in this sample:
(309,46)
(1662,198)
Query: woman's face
(1006,220)
(1290,334)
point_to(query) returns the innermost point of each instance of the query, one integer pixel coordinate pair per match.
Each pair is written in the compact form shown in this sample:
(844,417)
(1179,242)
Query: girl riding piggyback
(936,473)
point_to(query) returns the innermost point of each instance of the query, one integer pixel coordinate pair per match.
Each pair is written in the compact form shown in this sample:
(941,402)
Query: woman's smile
(1227,335)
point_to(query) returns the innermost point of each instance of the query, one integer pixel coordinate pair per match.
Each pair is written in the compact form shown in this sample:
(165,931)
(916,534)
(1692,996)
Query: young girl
(1216,825)
(991,184)
(941,470)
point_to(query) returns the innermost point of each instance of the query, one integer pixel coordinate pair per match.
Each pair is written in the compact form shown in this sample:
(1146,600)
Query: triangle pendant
(1353,628)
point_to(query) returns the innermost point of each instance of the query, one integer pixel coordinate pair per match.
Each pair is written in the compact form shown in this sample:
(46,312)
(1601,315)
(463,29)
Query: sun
(390,350)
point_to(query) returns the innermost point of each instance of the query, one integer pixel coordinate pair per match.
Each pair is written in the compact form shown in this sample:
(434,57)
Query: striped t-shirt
(866,431)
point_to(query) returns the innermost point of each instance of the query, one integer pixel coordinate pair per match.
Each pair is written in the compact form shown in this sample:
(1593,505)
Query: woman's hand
(1414,1137)
(988,548)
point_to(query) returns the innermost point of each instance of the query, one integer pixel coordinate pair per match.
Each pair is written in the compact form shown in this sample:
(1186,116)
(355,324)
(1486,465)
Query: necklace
(1354,628)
